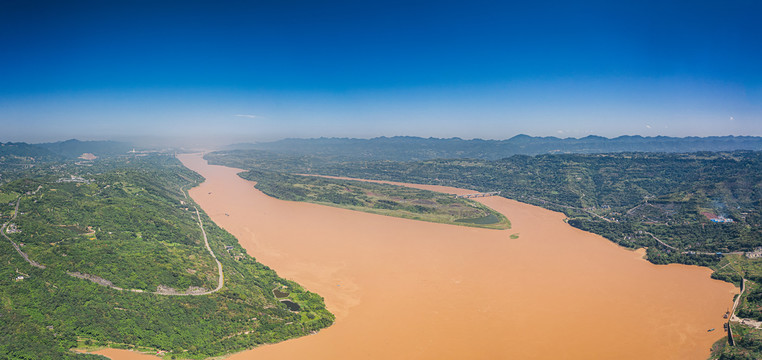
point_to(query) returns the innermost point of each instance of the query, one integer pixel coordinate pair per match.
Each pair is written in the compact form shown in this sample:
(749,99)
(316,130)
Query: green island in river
(378,198)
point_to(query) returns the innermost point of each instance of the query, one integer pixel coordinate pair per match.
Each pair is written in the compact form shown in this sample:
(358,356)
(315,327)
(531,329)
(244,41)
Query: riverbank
(409,289)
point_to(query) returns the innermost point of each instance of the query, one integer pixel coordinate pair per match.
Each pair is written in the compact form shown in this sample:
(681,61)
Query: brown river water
(405,289)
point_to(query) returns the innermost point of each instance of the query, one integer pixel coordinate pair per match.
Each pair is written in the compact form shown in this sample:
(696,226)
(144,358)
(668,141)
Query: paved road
(662,242)
(219,265)
(570,207)
(16,246)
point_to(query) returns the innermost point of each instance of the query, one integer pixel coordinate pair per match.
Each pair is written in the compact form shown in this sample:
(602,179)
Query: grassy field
(382,199)
(734,267)
(6,197)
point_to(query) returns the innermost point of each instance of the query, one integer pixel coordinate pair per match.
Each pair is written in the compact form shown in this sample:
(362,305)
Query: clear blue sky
(255,70)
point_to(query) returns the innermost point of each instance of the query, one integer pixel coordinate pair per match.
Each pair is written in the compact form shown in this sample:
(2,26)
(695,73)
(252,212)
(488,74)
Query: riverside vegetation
(377,198)
(127,220)
(661,201)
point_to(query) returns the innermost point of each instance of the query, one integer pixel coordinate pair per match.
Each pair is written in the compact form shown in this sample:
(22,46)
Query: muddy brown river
(405,289)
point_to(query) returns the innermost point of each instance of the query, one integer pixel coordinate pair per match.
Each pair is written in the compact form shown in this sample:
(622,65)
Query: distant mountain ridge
(24,150)
(63,149)
(73,148)
(408,148)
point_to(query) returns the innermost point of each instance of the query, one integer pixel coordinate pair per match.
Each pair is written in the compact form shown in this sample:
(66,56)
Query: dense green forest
(105,224)
(383,199)
(22,160)
(127,220)
(19,160)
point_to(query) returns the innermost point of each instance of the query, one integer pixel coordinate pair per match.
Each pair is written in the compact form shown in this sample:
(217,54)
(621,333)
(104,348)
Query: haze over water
(404,289)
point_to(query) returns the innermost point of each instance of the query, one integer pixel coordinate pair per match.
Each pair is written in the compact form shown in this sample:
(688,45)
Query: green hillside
(127,224)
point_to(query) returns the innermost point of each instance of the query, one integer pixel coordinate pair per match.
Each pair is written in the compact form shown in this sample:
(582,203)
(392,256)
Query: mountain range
(406,148)
(63,149)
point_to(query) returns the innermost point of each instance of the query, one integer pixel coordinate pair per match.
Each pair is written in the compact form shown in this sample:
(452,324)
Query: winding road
(16,246)
(101,281)
(221,281)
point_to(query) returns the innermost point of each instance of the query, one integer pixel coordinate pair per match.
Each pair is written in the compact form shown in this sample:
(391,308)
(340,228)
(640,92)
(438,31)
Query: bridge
(477,195)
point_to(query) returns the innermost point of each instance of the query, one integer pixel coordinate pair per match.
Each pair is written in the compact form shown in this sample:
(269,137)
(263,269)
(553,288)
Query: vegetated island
(112,252)
(701,208)
(377,198)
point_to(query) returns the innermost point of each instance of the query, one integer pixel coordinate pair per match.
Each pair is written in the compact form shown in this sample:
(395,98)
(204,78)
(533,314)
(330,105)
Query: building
(721,219)
(756,253)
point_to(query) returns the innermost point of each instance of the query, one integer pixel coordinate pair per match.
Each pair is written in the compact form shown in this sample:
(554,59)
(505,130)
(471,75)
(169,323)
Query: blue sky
(247,71)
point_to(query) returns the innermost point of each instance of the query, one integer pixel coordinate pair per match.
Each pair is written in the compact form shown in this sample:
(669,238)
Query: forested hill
(73,148)
(405,148)
(22,159)
(111,252)
(52,151)
(21,152)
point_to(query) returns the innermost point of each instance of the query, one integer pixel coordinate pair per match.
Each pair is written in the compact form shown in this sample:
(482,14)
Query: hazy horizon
(241,72)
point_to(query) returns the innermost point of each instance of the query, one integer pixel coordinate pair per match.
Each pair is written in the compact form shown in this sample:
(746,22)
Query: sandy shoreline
(405,289)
